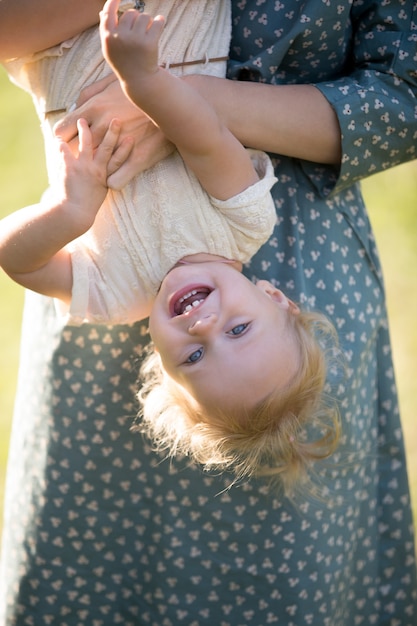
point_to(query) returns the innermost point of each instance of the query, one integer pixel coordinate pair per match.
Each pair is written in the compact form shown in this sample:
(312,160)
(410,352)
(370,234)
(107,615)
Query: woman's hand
(99,104)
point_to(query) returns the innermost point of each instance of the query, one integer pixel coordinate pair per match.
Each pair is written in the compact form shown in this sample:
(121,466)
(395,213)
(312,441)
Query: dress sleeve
(376,102)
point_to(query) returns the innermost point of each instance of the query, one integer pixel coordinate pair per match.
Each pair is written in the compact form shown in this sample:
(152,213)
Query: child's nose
(203,325)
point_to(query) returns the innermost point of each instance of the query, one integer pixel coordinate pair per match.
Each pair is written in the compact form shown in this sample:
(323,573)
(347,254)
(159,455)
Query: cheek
(152,328)
(156,333)
(155,321)
(169,367)
(165,342)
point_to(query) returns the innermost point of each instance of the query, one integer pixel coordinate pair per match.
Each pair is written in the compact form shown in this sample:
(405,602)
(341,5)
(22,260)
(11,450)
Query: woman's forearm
(292,120)
(27,26)
(295,121)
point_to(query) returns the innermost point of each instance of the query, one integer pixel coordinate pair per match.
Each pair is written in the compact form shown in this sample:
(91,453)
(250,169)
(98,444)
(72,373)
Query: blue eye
(239,329)
(195,356)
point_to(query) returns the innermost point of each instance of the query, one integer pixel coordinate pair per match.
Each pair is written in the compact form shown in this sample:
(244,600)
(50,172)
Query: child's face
(234,344)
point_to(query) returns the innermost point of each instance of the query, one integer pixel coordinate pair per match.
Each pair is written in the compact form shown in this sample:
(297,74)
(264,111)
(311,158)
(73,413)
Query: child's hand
(130,44)
(82,185)
(33,241)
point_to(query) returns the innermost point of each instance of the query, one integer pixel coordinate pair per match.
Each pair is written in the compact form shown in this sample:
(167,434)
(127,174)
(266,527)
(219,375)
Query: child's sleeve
(251,215)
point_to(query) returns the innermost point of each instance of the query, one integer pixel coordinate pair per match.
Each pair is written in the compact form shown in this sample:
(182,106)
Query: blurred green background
(392,202)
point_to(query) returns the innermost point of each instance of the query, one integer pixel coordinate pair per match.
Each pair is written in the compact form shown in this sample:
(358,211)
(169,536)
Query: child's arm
(130,45)
(33,240)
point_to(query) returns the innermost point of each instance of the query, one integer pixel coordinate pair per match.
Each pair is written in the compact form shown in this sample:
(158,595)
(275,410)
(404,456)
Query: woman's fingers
(120,155)
(107,147)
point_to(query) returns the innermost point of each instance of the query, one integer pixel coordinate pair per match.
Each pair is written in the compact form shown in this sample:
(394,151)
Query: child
(214,331)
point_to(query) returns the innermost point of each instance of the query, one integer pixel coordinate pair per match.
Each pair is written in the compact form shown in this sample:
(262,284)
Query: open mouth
(191,299)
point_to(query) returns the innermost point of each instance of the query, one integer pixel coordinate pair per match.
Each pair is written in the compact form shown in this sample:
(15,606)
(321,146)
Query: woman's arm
(292,120)
(27,26)
(310,121)
(300,121)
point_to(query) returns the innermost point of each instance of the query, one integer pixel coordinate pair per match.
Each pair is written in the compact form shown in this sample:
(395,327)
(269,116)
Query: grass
(22,180)
(392,202)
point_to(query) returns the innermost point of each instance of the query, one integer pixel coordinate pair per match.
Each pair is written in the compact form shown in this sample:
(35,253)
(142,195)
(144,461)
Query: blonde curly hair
(281,437)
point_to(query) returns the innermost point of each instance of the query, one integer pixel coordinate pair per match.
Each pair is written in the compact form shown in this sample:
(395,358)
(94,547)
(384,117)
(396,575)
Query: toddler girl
(238,370)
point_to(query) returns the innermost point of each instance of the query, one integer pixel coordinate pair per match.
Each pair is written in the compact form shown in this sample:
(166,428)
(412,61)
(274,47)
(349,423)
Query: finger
(66,158)
(64,149)
(66,129)
(72,146)
(85,139)
(108,16)
(108,145)
(152,28)
(133,21)
(120,155)
(159,22)
(137,162)
(122,176)
(95,88)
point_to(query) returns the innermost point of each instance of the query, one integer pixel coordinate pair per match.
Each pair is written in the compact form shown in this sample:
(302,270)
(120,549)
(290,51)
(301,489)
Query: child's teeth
(188,295)
(189,307)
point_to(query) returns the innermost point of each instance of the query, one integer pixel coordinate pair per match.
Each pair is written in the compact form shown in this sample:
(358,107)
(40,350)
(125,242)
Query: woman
(114,534)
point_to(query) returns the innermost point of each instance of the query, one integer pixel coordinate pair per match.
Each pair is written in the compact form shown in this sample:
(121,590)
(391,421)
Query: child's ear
(278,296)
